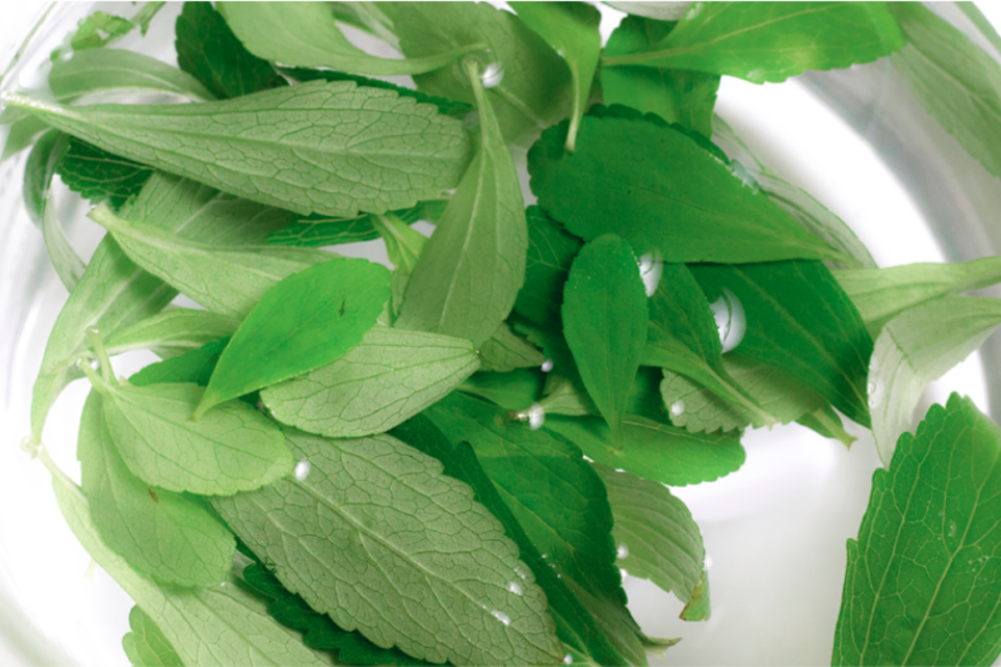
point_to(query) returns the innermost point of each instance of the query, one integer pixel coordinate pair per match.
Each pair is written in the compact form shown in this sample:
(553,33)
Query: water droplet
(545,555)
(952,529)
(677,408)
(514,587)
(520,573)
(731,322)
(651,269)
(502,617)
(547,365)
(94,331)
(875,390)
(622,552)
(302,470)
(568,659)
(535,416)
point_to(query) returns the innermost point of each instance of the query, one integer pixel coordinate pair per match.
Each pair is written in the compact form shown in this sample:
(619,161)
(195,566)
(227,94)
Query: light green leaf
(401,150)
(924,577)
(506,351)
(605,318)
(38,172)
(391,376)
(68,265)
(571,28)
(171,332)
(22,134)
(771,41)
(210,627)
(954,79)
(375,520)
(160,533)
(307,320)
(656,536)
(229,281)
(662,11)
(468,276)
(105,70)
(882,294)
(917,347)
(304,34)
(146,645)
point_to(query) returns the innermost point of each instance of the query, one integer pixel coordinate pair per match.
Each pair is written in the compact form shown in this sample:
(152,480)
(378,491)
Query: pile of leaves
(450,461)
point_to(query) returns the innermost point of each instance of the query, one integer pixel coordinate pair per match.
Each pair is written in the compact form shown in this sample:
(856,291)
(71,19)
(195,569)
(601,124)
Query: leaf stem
(97,345)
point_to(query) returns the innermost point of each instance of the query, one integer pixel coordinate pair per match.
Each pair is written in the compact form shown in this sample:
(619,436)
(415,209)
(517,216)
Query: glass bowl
(774,531)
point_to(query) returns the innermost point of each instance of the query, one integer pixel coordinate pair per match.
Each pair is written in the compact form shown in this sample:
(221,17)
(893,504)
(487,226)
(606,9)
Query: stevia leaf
(534,90)
(550,253)
(681,96)
(469,274)
(146,645)
(317,231)
(800,321)
(917,347)
(172,332)
(954,79)
(38,172)
(232,626)
(654,451)
(605,319)
(445,106)
(307,320)
(827,423)
(923,579)
(69,267)
(661,190)
(575,625)
(882,294)
(305,34)
(160,533)
(114,292)
(982,23)
(271,147)
(229,281)
(102,70)
(233,448)
(571,28)
(656,536)
(208,50)
(661,11)
(382,520)
(99,175)
(193,366)
(88,34)
(389,377)
(772,41)
(22,134)
(515,390)
(506,351)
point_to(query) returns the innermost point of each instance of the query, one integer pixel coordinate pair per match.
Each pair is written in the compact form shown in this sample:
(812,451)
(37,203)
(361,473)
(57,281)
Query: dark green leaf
(208,50)
(771,41)
(799,320)
(678,96)
(318,231)
(550,253)
(662,190)
(145,645)
(924,577)
(605,319)
(514,391)
(99,175)
(307,320)
(194,366)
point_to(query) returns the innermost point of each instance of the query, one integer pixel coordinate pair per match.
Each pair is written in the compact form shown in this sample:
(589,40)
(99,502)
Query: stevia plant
(435,463)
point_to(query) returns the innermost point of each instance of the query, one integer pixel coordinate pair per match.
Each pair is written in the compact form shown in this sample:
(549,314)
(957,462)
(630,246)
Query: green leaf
(102,70)
(217,626)
(317,231)
(571,28)
(307,320)
(229,281)
(99,175)
(193,366)
(38,172)
(678,96)
(402,150)
(662,11)
(771,41)
(656,536)
(171,332)
(208,50)
(22,134)
(827,423)
(146,645)
(605,319)
(917,347)
(924,576)
(88,34)
(469,274)
(651,450)
(882,294)
(662,190)
(515,390)
(506,351)
(551,251)
(305,34)
(954,79)
(800,321)
(534,90)
(391,376)
(172,538)
(374,515)
(233,448)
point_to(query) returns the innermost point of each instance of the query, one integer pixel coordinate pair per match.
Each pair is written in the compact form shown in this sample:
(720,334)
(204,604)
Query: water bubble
(514,587)
(94,331)
(547,365)
(622,552)
(535,416)
(952,529)
(677,408)
(731,321)
(302,470)
(492,74)
(501,616)
(875,390)
(520,573)
(545,555)
(651,269)
(568,659)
